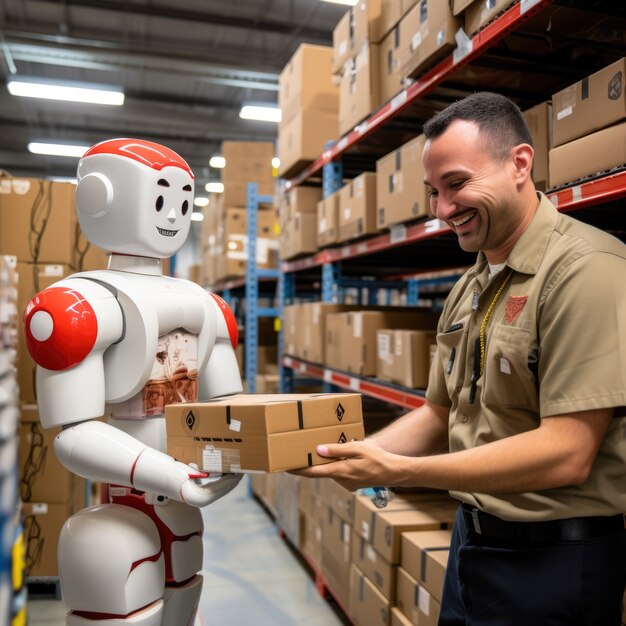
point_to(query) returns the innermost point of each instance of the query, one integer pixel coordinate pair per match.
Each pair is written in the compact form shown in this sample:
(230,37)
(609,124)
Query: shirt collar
(531,246)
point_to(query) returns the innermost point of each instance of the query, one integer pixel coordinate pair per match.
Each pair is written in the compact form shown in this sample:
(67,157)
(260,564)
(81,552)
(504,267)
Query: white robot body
(126,342)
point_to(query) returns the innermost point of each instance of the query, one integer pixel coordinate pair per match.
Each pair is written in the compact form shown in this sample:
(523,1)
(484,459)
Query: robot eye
(185,207)
(159,203)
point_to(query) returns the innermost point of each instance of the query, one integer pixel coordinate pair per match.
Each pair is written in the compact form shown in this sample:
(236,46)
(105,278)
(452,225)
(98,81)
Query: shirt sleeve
(582,337)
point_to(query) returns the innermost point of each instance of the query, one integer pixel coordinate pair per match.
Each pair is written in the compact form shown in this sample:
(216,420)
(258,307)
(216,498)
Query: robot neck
(135,264)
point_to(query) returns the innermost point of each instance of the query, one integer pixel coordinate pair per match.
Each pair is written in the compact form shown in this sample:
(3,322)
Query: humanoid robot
(131,340)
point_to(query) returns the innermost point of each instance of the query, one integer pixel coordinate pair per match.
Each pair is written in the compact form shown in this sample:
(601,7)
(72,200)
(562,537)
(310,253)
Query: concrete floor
(251,575)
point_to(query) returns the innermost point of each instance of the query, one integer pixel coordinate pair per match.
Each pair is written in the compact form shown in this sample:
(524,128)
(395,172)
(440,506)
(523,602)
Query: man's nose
(171,216)
(444,207)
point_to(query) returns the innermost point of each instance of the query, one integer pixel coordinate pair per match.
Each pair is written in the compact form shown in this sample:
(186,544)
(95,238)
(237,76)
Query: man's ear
(94,195)
(523,156)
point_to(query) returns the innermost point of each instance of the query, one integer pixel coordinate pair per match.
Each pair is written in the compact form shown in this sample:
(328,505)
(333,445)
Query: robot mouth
(166,233)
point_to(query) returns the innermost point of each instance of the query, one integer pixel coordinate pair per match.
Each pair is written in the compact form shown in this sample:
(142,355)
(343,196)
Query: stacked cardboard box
(479,13)
(309,100)
(357,207)
(589,126)
(400,192)
(298,221)
(328,220)
(539,120)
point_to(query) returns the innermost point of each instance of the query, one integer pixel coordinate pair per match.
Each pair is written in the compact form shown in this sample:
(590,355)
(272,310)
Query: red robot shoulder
(60,328)
(229,318)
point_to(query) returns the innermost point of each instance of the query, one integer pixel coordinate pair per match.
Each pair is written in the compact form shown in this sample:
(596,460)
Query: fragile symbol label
(340,412)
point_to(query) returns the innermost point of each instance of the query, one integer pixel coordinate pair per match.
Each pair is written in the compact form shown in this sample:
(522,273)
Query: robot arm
(99,451)
(222,376)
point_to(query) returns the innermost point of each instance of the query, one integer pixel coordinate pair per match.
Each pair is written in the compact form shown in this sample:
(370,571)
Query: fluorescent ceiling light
(260,113)
(275,163)
(214,187)
(51,91)
(218,162)
(201,201)
(57,149)
(349,3)
(197,216)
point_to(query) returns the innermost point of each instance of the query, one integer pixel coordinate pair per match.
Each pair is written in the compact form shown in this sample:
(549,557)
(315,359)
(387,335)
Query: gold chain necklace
(483,324)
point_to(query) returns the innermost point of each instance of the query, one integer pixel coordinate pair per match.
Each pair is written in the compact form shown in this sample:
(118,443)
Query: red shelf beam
(399,397)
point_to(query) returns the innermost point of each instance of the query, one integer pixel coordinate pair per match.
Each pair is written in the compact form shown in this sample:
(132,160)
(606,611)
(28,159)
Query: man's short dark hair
(497,117)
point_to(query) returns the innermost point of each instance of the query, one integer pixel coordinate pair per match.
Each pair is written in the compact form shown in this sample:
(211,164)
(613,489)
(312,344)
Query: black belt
(571,529)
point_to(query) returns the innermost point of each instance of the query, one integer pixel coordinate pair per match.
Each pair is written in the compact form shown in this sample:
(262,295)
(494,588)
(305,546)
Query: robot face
(130,204)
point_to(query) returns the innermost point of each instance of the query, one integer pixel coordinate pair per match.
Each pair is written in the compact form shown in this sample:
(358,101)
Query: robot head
(134,197)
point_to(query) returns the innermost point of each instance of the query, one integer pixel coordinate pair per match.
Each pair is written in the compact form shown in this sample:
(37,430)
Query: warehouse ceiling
(186,68)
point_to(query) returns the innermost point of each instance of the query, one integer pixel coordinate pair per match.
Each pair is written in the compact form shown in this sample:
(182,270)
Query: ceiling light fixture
(260,113)
(275,163)
(218,162)
(201,201)
(52,91)
(214,187)
(197,216)
(57,149)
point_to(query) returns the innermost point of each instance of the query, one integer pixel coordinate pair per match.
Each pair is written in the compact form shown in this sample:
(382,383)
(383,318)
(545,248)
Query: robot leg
(111,568)
(181,603)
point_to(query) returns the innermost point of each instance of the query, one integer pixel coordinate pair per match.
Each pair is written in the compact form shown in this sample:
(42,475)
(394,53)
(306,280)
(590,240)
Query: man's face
(470,190)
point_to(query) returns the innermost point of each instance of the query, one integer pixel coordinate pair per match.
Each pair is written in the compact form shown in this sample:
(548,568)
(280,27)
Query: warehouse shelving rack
(255,284)
(425,253)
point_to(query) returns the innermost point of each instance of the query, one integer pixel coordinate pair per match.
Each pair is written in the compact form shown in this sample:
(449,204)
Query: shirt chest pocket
(509,377)
(451,353)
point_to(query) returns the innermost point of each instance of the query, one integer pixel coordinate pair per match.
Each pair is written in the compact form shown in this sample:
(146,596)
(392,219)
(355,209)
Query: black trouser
(495,582)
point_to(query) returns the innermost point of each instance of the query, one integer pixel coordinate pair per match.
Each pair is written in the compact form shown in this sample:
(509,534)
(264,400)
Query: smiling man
(524,421)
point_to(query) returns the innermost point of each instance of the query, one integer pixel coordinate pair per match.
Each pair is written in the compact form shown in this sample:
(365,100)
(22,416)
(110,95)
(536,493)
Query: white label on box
(21,187)
(365,529)
(347,212)
(398,345)
(371,554)
(355,384)
(235,425)
(328,376)
(318,533)
(346,532)
(40,508)
(526,5)
(357,325)
(564,113)
(53,270)
(383,346)
(343,46)
(397,233)
(424,601)
(416,40)
(211,459)
(5,186)
(321,227)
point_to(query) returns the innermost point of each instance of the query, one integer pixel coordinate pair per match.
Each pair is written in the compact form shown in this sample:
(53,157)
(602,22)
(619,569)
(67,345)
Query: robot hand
(203,491)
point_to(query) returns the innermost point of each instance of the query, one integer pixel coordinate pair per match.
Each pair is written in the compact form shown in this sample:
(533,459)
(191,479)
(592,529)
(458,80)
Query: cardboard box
(328,220)
(426,36)
(375,567)
(306,82)
(267,383)
(539,120)
(288,516)
(588,156)
(458,6)
(310,498)
(311,328)
(236,192)
(336,551)
(407,5)
(359,92)
(247,161)
(299,236)
(390,64)
(351,337)
(37,219)
(340,500)
(367,22)
(391,524)
(407,596)
(300,199)
(398,618)
(311,538)
(368,607)
(390,16)
(400,192)
(425,556)
(42,526)
(261,433)
(302,139)
(590,104)
(428,609)
(33,278)
(357,207)
(403,356)
(343,42)
(481,12)
(291,325)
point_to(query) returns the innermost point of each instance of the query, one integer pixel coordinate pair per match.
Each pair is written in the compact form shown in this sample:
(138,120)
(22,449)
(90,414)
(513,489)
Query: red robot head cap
(148,153)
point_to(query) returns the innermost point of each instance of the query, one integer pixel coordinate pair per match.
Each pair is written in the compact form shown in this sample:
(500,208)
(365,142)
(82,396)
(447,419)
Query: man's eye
(457,184)
(432,193)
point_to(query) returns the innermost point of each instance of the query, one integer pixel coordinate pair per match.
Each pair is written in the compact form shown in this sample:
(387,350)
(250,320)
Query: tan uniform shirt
(555,343)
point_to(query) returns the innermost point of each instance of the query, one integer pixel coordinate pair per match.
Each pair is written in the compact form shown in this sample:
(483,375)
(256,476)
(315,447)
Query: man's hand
(356,465)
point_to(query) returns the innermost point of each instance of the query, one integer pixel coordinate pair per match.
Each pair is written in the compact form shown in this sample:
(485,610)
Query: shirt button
(464,419)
